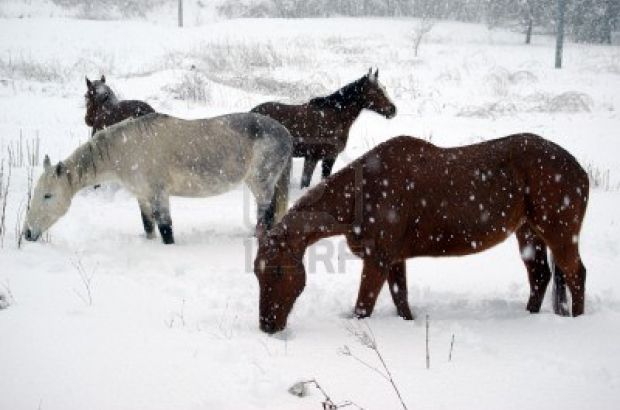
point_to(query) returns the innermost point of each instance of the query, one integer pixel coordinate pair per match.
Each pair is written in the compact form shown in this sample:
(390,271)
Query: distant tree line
(586,20)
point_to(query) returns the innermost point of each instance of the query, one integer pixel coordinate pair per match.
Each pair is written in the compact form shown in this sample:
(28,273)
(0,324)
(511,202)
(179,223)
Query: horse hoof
(360,313)
(561,309)
(533,310)
(406,314)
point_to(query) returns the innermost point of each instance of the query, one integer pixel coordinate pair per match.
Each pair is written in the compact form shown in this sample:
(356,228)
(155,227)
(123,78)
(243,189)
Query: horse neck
(299,236)
(323,214)
(350,111)
(90,164)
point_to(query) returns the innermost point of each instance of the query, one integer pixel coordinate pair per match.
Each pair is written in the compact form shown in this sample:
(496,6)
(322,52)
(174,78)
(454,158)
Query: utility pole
(180,13)
(559,40)
(530,21)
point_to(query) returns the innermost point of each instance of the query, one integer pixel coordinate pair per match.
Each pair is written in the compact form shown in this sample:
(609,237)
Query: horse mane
(344,96)
(85,158)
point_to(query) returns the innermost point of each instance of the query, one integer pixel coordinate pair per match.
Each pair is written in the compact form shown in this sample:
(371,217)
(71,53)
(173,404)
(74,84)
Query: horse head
(50,200)
(281,279)
(375,96)
(98,92)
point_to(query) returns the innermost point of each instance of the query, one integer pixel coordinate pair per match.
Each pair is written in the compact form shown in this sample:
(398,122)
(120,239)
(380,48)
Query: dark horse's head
(375,95)
(366,92)
(97,94)
(281,279)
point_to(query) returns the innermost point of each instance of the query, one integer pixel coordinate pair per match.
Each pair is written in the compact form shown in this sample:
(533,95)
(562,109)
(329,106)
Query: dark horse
(408,198)
(104,109)
(320,128)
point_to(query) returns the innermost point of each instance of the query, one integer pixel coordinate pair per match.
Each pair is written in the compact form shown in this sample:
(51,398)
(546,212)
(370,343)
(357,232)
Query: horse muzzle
(30,235)
(270,326)
(391,113)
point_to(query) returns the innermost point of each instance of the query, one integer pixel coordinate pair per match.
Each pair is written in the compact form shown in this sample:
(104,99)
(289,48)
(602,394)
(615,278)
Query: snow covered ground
(177,326)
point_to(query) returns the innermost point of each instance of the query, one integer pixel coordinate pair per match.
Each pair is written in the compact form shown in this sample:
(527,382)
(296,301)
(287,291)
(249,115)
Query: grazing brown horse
(104,109)
(408,198)
(320,128)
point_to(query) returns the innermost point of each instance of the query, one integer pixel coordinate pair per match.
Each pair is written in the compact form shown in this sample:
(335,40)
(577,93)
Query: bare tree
(180,13)
(608,19)
(421,29)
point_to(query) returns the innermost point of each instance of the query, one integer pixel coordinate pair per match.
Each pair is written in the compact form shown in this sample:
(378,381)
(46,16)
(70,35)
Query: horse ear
(369,72)
(373,77)
(46,162)
(102,78)
(88,83)
(377,73)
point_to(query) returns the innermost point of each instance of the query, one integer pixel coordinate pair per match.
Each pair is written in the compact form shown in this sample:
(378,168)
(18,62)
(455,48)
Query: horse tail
(274,160)
(558,290)
(280,195)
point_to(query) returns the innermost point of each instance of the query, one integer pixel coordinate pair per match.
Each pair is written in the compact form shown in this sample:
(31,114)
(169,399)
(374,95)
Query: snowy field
(176,327)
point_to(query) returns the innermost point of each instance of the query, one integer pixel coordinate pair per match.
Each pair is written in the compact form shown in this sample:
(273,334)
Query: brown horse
(104,109)
(320,128)
(408,198)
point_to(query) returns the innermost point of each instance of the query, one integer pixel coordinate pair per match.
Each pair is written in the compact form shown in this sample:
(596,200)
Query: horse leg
(534,255)
(326,166)
(147,219)
(265,216)
(397,281)
(373,278)
(568,260)
(309,165)
(161,213)
(263,192)
(560,303)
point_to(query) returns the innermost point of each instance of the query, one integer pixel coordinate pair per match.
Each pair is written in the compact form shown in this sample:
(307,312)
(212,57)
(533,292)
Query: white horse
(157,156)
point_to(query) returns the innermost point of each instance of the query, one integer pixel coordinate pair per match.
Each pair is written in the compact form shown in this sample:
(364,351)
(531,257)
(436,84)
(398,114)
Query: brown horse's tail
(558,290)
(280,196)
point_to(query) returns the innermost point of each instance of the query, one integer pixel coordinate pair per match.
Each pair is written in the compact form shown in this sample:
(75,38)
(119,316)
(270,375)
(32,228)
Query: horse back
(109,115)
(420,199)
(133,109)
(316,132)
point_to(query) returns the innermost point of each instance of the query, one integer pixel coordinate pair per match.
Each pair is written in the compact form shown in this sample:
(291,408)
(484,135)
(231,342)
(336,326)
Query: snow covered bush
(193,86)
(570,101)
(4,301)
(239,57)
(20,67)
(496,82)
(523,77)
(489,110)
(600,178)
